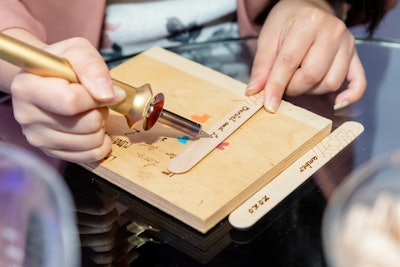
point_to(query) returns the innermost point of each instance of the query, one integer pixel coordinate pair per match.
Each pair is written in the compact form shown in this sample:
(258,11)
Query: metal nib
(204,134)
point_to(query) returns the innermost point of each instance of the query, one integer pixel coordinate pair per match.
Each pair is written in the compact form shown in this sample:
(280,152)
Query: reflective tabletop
(118,229)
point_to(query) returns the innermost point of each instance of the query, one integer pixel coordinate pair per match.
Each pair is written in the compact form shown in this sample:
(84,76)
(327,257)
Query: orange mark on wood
(201,119)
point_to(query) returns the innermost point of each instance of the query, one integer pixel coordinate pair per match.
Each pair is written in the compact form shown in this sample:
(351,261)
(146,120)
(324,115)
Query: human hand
(303,48)
(67,120)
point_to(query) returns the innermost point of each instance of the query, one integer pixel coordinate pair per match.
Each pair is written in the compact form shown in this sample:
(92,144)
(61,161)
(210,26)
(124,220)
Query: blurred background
(388,29)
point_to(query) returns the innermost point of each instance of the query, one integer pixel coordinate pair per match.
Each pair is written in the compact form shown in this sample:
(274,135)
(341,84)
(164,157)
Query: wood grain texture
(255,153)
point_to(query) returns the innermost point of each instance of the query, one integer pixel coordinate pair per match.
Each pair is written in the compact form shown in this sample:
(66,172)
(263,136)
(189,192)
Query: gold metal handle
(35,60)
(135,107)
(139,105)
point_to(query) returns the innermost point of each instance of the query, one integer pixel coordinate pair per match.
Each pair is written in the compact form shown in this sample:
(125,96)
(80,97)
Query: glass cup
(37,223)
(361,223)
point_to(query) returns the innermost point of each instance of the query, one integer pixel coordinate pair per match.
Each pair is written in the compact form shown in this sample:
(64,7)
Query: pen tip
(204,134)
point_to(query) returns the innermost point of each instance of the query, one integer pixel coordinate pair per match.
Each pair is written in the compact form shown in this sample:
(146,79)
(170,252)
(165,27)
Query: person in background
(304,46)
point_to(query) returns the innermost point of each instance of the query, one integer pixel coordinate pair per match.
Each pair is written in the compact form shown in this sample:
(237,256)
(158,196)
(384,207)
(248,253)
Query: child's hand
(67,120)
(303,48)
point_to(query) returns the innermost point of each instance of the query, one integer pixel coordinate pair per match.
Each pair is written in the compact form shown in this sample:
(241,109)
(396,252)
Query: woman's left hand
(303,48)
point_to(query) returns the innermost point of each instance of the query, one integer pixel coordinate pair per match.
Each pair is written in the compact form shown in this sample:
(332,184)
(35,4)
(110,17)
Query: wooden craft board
(251,157)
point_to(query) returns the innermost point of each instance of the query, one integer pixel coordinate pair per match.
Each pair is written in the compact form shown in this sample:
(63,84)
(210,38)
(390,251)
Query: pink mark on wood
(222,145)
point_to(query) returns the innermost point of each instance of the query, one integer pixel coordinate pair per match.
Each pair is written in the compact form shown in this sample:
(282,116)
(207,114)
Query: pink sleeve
(14,14)
(55,20)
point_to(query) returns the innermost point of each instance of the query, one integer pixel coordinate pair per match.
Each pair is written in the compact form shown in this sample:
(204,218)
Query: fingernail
(103,88)
(251,86)
(271,104)
(119,94)
(341,105)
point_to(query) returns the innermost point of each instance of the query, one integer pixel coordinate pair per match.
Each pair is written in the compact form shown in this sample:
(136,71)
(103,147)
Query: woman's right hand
(67,120)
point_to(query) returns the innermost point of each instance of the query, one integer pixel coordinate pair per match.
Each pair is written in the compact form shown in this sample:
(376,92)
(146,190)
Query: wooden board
(257,152)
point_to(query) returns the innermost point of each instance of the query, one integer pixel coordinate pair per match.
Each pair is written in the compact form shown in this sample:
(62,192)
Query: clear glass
(37,223)
(361,224)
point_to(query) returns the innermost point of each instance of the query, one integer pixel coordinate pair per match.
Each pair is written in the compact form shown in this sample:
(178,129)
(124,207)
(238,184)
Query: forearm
(7,70)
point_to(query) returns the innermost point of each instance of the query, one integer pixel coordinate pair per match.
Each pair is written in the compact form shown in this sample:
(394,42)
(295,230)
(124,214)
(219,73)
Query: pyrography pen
(139,105)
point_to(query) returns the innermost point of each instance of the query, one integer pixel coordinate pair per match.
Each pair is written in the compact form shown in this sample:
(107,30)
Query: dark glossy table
(117,229)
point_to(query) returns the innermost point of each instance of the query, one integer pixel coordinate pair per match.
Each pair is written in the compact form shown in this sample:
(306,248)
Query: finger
(332,80)
(81,156)
(83,123)
(89,66)
(56,95)
(43,137)
(53,94)
(336,75)
(315,66)
(267,49)
(292,52)
(356,86)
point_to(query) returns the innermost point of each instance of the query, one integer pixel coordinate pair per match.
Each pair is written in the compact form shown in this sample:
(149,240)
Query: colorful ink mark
(201,119)
(222,145)
(183,139)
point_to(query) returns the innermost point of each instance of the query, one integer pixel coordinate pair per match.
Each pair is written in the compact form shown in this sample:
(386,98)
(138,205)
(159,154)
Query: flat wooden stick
(253,209)
(194,153)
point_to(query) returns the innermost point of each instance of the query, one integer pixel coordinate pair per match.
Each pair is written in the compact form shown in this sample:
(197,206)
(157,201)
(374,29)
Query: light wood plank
(256,153)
